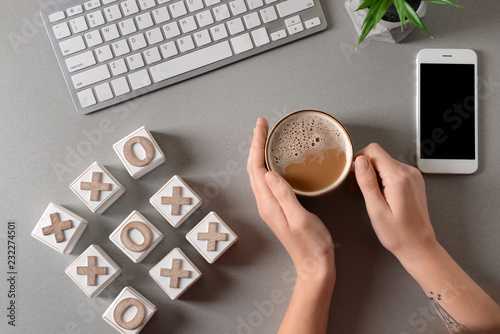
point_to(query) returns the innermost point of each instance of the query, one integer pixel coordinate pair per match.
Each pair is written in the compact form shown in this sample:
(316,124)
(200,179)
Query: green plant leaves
(445,2)
(377,9)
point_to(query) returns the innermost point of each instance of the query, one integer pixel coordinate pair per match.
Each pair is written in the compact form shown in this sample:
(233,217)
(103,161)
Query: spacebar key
(191,61)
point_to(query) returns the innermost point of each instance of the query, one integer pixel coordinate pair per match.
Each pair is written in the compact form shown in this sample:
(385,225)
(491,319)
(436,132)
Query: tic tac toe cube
(176,201)
(211,237)
(59,228)
(129,312)
(175,273)
(136,236)
(93,270)
(97,188)
(139,152)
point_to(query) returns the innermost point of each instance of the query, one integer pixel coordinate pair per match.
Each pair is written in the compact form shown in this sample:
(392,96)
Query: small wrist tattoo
(452,325)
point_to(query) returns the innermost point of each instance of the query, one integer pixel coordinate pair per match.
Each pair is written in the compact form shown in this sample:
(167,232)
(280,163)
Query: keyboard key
(290,7)
(252,4)
(75,10)
(218,32)
(295,28)
(168,50)
(135,61)
(72,45)
(171,30)
(139,79)
(146,4)
(120,48)
(61,30)
(93,38)
(78,25)
(105,2)
(268,14)
(154,36)
(312,23)
(144,21)
(160,2)
(57,16)
(90,77)
(118,67)
(211,2)
(178,9)
(270,1)
(161,15)
(112,13)
(235,26)
(152,55)
(204,18)
(238,7)
(241,43)
(292,21)
(120,86)
(202,38)
(252,20)
(277,35)
(185,43)
(103,92)
(95,19)
(110,32)
(86,98)
(80,61)
(260,36)
(127,27)
(129,7)
(194,5)
(104,53)
(188,24)
(137,42)
(221,12)
(92,4)
(191,61)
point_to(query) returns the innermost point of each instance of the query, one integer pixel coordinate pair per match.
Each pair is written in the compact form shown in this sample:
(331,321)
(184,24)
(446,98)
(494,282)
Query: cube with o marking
(176,201)
(211,237)
(93,270)
(129,312)
(175,273)
(97,188)
(59,228)
(136,236)
(139,152)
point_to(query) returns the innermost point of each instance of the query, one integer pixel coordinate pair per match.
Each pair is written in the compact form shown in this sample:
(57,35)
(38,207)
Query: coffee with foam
(311,150)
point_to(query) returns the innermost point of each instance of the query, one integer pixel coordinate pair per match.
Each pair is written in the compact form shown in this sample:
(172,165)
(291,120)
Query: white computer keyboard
(113,50)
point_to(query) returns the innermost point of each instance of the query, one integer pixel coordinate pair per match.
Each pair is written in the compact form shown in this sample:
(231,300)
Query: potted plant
(386,20)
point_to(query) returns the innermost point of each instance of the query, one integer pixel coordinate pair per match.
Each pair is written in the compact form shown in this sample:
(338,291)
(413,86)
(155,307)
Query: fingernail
(361,164)
(272,179)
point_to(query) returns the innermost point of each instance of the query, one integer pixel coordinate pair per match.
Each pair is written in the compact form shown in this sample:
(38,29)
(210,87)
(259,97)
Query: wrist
(412,258)
(317,273)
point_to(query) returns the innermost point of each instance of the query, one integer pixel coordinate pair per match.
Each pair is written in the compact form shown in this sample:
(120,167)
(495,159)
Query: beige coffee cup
(311,149)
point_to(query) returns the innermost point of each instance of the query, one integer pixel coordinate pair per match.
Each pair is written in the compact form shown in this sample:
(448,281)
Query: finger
(285,196)
(366,176)
(380,159)
(256,166)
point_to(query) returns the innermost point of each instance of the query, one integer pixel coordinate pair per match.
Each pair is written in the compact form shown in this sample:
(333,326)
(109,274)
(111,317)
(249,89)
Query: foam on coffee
(303,135)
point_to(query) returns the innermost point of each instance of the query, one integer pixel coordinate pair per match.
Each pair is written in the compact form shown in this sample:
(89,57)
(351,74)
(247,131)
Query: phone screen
(447,111)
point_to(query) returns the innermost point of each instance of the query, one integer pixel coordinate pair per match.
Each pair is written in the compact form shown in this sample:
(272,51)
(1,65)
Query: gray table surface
(205,124)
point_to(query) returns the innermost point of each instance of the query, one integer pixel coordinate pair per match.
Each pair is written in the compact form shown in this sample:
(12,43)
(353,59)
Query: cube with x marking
(97,188)
(175,273)
(59,228)
(93,270)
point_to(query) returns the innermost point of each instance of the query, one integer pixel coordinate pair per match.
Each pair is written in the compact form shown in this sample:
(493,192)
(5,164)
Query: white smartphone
(447,111)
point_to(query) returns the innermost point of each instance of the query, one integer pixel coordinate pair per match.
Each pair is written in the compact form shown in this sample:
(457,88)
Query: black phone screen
(447,111)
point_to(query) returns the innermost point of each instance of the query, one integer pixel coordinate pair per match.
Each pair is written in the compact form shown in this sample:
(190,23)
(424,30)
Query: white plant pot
(384,31)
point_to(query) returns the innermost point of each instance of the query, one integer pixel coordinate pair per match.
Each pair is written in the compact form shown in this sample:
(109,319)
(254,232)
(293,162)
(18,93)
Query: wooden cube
(97,188)
(176,201)
(139,152)
(175,273)
(59,228)
(93,270)
(136,236)
(211,237)
(129,312)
